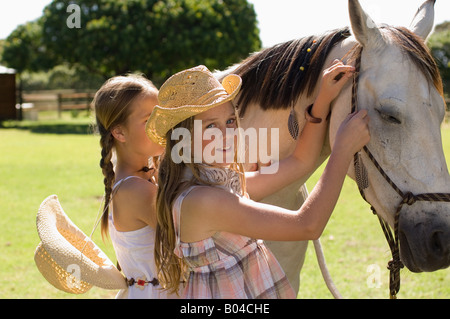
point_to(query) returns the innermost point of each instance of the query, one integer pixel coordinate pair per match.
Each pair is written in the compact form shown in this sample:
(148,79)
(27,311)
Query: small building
(7,94)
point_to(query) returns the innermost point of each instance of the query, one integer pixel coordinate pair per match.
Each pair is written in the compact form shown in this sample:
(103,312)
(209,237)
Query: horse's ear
(364,29)
(423,21)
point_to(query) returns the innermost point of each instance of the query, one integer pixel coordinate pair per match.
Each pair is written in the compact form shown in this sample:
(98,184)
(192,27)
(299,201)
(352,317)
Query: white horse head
(400,87)
(406,108)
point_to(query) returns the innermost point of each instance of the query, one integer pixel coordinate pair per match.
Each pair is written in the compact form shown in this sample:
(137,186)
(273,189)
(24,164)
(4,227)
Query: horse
(398,83)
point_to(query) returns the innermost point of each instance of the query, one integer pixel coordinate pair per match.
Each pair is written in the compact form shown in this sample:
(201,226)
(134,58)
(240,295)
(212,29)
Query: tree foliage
(155,37)
(24,50)
(439,43)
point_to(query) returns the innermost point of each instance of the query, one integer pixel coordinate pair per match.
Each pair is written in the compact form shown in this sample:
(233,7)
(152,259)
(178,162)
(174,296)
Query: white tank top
(135,254)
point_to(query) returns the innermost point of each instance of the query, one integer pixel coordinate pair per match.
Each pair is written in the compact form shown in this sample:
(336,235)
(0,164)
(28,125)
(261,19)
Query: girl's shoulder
(136,192)
(134,186)
(135,204)
(206,210)
(197,205)
(203,198)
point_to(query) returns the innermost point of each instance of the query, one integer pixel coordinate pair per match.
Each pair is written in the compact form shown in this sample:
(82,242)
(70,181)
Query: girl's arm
(309,144)
(207,210)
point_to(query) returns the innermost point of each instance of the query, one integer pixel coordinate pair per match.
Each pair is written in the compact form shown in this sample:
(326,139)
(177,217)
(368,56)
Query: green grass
(35,165)
(32,167)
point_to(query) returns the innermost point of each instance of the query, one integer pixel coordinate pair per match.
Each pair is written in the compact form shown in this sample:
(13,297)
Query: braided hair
(112,107)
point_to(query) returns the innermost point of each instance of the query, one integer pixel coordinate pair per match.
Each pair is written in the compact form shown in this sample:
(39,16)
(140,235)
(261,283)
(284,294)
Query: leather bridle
(408,198)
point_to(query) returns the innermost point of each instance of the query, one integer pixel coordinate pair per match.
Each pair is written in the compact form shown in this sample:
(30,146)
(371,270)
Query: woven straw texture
(186,94)
(69,259)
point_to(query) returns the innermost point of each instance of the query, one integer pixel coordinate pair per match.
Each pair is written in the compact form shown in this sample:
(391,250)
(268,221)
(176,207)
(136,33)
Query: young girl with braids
(122,106)
(207,226)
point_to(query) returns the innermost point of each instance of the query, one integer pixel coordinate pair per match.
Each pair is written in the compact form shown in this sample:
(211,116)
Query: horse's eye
(389,117)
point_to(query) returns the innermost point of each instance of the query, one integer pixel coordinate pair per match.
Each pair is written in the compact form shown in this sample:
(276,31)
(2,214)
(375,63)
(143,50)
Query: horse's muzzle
(425,237)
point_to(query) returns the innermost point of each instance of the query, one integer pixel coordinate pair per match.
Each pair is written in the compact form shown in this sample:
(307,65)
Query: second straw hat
(69,259)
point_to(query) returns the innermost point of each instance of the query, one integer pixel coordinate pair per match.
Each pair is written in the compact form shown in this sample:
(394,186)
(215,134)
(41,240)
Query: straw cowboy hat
(69,259)
(186,94)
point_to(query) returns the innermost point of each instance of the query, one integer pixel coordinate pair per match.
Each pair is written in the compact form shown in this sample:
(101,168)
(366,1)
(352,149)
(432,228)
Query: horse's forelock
(417,51)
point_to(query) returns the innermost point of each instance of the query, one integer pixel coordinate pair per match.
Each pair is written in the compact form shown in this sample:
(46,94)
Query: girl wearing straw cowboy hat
(207,226)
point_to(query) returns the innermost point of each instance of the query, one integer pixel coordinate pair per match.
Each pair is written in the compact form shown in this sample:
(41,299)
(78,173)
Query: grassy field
(35,164)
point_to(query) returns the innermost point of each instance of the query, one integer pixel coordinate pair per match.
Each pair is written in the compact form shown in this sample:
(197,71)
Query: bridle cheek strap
(408,198)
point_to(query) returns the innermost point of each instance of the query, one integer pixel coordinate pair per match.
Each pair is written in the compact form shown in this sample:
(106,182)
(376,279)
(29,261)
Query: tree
(439,43)
(24,50)
(155,37)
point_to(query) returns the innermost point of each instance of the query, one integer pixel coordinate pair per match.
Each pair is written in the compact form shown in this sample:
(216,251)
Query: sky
(278,20)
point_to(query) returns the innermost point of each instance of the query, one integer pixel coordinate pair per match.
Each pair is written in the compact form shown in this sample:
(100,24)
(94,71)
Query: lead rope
(321,259)
(408,198)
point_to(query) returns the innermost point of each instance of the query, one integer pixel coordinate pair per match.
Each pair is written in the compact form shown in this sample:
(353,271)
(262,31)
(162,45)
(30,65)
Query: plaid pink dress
(226,265)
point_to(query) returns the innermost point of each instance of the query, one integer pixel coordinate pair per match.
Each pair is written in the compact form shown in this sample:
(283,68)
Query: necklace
(224,178)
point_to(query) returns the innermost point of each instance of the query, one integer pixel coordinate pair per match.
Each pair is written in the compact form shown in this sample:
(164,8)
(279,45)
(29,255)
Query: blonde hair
(112,104)
(171,269)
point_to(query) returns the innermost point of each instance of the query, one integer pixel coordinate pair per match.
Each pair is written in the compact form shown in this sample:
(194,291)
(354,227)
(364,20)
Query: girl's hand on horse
(353,133)
(333,80)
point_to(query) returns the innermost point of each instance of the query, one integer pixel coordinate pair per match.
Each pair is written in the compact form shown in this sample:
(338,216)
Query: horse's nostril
(436,243)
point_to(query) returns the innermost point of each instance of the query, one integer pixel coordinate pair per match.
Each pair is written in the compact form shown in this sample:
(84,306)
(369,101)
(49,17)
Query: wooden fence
(81,101)
(60,100)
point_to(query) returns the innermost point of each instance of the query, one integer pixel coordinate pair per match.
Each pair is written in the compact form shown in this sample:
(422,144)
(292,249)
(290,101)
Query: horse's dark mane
(277,76)
(273,77)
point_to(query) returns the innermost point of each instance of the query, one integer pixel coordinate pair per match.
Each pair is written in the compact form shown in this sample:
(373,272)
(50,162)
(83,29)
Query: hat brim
(163,119)
(69,259)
